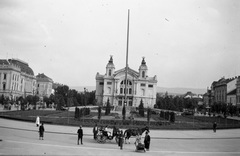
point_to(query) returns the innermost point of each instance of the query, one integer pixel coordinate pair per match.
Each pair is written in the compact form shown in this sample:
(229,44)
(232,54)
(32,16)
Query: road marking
(109,149)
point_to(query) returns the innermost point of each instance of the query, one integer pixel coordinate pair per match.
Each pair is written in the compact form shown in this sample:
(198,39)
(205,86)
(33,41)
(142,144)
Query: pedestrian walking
(80,134)
(37,121)
(147,140)
(120,140)
(214,127)
(95,130)
(41,132)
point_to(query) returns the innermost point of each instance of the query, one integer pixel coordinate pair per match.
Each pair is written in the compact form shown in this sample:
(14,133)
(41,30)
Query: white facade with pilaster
(111,86)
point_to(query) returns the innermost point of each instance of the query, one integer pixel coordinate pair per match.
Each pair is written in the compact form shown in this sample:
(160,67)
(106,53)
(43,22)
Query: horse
(133,132)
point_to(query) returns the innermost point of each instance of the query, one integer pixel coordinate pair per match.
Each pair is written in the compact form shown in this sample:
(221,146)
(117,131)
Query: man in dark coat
(80,134)
(147,140)
(95,130)
(214,127)
(41,132)
(120,140)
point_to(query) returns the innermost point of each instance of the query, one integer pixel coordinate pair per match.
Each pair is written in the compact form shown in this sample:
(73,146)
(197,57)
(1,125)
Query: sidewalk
(155,134)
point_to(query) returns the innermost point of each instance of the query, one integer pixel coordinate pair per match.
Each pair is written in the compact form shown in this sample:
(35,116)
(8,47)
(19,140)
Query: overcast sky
(187,43)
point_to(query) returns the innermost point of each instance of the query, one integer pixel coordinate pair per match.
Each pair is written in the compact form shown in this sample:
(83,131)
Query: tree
(2,99)
(29,99)
(172,117)
(141,109)
(99,112)
(124,112)
(51,98)
(149,112)
(76,113)
(59,101)
(107,110)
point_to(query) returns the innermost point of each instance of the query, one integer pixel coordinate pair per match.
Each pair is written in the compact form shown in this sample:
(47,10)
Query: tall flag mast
(126,70)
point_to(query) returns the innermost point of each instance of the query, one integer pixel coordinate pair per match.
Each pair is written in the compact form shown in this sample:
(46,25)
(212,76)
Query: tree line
(63,96)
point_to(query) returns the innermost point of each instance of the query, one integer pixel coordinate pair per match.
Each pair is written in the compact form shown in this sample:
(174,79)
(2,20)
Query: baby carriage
(139,146)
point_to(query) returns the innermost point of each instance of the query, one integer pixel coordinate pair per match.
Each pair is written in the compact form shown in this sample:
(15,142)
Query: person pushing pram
(139,145)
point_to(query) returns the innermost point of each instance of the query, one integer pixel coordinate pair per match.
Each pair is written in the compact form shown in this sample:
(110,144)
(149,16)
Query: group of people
(138,142)
(140,145)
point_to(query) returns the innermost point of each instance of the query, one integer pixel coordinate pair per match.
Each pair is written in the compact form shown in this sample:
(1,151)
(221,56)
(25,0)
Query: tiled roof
(43,77)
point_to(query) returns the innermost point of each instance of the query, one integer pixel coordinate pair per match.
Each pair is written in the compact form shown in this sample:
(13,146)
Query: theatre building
(140,86)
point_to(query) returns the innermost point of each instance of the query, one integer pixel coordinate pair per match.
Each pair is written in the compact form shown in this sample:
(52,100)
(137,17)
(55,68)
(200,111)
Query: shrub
(141,109)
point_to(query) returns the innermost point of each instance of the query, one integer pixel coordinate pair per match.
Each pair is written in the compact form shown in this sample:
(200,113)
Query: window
(4,76)
(121,90)
(130,103)
(120,103)
(109,83)
(143,84)
(150,86)
(101,83)
(143,74)
(110,72)
(130,91)
(4,86)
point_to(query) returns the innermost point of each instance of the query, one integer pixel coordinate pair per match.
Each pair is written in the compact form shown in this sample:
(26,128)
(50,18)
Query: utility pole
(125,90)
(126,69)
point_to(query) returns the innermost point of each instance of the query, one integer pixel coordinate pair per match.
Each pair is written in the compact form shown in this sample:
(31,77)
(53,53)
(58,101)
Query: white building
(44,85)
(16,79)
(140,86)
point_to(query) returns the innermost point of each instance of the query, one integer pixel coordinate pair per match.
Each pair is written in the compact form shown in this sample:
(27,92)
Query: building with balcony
(139,86)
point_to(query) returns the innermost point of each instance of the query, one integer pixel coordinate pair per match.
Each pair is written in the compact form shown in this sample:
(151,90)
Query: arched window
(128,89)
(143,74)
(110,72)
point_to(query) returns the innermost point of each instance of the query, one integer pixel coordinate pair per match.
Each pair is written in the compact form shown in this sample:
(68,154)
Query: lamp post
(67,109)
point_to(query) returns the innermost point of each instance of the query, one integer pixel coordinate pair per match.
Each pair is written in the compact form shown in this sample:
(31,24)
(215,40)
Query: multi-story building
(224,90)
(139,86)
(44,85)
(238,93)
(16,79)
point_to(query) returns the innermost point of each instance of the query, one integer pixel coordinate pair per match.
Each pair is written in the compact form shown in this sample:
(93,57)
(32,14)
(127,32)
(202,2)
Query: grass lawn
(67,118)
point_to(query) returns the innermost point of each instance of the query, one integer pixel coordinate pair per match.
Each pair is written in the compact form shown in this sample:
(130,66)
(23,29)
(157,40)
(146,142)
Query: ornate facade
(139,86)
(16,79)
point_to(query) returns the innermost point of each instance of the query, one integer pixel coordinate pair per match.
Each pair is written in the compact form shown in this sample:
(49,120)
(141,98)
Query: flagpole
(125,98)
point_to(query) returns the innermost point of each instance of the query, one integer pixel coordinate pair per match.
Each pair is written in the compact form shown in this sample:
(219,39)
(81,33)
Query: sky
(187,43)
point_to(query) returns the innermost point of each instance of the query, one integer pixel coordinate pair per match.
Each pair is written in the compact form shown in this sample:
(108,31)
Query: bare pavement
(21,138)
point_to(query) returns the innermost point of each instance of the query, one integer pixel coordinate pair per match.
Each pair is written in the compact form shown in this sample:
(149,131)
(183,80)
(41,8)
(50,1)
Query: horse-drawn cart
(103,136)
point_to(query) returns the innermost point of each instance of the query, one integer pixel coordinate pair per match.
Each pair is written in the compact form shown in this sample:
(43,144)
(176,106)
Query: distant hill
(171,91)
(177,91)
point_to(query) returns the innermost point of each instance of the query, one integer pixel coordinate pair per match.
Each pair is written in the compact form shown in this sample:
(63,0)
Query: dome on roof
(110,63)
(143,65)
(23,65)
